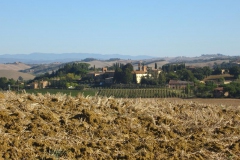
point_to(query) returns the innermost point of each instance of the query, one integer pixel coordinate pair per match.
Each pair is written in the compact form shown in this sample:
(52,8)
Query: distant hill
(44,68)
(100,64)
(38,58)
(206,63)
(159,63)
(44,63)
(37,69)
(15,74)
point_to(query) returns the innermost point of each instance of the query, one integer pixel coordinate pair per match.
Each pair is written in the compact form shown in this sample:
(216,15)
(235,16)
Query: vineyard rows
(143,93)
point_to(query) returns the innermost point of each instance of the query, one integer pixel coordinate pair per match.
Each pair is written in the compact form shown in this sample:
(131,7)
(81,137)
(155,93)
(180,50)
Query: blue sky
(132,27)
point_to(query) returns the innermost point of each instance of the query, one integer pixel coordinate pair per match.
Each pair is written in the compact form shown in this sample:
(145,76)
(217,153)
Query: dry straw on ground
(64,127)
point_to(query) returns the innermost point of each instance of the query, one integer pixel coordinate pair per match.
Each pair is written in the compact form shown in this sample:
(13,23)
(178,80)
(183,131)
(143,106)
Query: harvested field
(63,127)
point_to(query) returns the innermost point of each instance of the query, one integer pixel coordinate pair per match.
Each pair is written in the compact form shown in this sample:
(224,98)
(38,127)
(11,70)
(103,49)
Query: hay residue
(63,127)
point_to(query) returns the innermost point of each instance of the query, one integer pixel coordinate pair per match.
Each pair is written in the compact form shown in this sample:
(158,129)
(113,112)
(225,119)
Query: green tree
(162,78)
(198,73)
(127,76)
(233,88)
(11,81)
(20,78)
(205,90)
(123,74)
(199,76)
(187,89)
(118,74)
(149,80)
(128,66)
(185,75)
(210,86)
(62,84)
(217,71)
(154,74)
(207,71)
(70,76)
(200,89)
(171,75)
(173,67)
(235,71)
(221,80)
(3,82)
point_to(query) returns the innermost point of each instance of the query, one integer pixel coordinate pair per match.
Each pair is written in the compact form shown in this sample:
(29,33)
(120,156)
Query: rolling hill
(16,66)
(41,68)
(15,74)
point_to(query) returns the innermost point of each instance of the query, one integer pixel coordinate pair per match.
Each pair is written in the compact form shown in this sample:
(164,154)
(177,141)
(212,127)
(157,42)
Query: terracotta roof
(109,72)
(218,89)
(109,78)
(139,72)
(193,67)
(94,73)
(177,82)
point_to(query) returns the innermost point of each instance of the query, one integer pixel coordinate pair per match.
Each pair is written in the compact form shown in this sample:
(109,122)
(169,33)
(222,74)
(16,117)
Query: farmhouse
(144,68)
(191,68)
(139,74)
(104,76)
(179,84)
(107,73)
(93,74)
(154,72)
(39,85)
(109,80)
(219,92)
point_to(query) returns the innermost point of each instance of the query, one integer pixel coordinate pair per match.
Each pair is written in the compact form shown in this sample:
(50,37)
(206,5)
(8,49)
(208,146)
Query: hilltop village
(177,79)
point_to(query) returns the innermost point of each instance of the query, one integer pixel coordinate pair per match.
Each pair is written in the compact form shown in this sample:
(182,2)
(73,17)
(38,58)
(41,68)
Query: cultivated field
(144,93)
(64,127)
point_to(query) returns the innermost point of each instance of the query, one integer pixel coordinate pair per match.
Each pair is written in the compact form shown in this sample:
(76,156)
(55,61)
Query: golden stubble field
(63,127)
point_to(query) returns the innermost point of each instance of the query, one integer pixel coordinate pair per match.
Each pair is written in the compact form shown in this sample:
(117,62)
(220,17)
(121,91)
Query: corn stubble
(63,127)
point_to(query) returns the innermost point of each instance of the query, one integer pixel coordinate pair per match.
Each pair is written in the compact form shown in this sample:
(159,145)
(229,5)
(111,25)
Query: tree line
(6,84)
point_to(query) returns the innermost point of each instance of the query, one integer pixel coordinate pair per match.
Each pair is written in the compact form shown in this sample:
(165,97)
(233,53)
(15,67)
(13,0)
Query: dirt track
(228,102)
(204,101)
(210,101)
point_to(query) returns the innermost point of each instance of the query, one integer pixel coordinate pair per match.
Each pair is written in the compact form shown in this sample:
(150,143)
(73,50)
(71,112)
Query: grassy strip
(215,77)
(64,91)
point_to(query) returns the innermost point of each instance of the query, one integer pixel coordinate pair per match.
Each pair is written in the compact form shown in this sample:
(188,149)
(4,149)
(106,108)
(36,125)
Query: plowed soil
(63,127)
